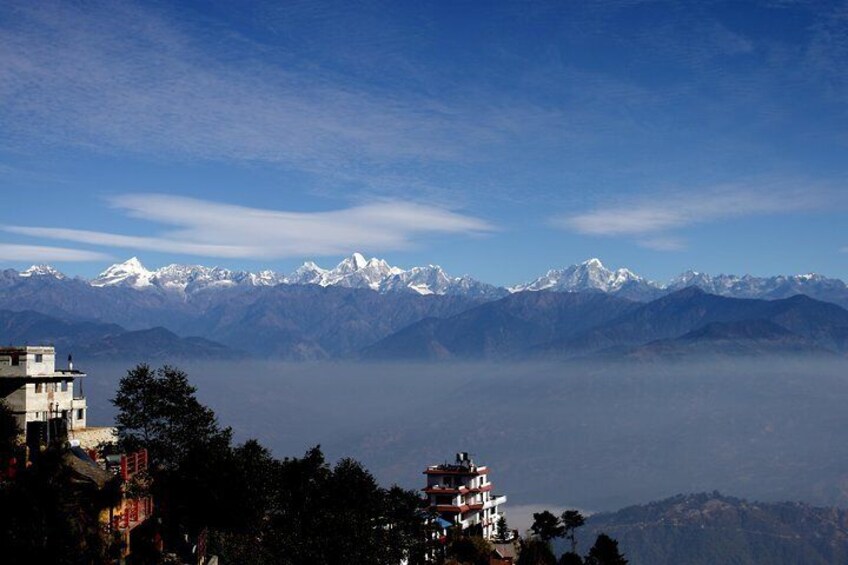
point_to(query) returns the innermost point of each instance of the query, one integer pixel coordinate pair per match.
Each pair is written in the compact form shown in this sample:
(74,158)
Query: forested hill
(703,529)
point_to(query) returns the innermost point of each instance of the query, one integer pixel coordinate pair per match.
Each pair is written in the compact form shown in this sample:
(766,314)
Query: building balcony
(496,500)
(438,489)
(450,508)
(455,470)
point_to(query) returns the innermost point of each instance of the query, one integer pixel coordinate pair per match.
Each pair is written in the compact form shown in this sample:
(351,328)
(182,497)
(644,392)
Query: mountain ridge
(568,325)
(708,528)
(357,271)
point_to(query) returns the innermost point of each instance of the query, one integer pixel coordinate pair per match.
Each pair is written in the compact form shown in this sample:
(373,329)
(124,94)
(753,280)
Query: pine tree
(503,534)
(571,520)
(547,526)
(605,552)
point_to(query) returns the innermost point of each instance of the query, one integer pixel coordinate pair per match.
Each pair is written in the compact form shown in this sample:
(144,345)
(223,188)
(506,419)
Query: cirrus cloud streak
(650,220)
(211,229)
(40,253)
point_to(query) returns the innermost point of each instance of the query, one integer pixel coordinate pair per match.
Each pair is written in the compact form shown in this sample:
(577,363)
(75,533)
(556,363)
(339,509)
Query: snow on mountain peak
(593,262)
(131,273)
(42,271)
(359,260)
(590,275)
(132,265)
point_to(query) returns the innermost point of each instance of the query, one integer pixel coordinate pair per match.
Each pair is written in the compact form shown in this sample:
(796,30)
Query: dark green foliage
(547,526)
(605,552)
(470,550)
(9,432)
(536,552)
(571,520)
(254,508)
(406,531)
(158,410)
(503,534)
(51,516)
(570,558)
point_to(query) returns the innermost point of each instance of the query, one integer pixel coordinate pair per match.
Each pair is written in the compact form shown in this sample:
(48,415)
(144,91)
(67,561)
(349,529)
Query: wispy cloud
(38,253)
(662,243)
(118,77)
(649,220)
(210,229)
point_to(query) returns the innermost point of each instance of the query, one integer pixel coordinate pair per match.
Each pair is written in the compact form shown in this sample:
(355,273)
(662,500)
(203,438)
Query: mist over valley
(596,436)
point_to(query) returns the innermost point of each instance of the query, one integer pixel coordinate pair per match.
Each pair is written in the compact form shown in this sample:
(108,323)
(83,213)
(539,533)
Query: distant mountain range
(96,340)
(376,274)
(353,272)
(593,324)
(366,307)
(704,529)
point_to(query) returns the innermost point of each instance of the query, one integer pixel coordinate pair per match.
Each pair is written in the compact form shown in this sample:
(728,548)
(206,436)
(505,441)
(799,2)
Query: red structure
(462,495)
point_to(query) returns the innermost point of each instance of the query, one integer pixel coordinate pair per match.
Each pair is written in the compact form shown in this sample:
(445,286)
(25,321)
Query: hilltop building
(461,494)
(36,391)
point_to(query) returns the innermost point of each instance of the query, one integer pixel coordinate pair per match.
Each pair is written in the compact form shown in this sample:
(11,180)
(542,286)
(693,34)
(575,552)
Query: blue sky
(495,139)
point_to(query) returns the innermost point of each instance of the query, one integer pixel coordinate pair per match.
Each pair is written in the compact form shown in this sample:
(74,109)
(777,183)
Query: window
(39,388)
(64,386)
(39,358)
(80,414)
(16,360)
(64,414)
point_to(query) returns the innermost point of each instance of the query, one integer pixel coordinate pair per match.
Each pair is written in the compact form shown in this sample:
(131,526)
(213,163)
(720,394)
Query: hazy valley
(593,436)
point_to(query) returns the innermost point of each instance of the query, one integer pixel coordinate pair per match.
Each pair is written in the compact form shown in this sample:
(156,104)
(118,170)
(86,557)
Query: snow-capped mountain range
(353,272)
(592,275)
(376,274)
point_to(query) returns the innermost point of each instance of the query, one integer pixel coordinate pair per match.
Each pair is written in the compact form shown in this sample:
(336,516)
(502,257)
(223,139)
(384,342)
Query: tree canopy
(255,508)
(605,552)
(546,526)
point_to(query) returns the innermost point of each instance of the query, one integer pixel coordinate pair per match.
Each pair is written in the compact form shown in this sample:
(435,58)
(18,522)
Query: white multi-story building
(461,493)
(36,391)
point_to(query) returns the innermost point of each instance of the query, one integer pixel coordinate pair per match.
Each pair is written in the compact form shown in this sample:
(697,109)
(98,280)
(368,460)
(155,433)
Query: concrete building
(461,493)
(36,391)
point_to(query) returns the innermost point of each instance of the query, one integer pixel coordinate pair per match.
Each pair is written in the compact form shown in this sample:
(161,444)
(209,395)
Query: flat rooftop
(43,349)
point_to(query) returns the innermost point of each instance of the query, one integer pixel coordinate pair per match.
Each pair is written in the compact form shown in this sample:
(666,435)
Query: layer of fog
(596,437)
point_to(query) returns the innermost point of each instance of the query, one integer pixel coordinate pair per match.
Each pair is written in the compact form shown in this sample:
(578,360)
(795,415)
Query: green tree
(605,552)
(571,520)
(406,534)
(570,558)
(471,550)
(503,534)
(158,410)
(546,526)
(9,432)
(196,480)
(254,508)
(536,552)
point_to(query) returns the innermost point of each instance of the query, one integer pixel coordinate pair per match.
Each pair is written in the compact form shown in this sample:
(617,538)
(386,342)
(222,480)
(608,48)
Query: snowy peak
(42,271)
(357,271)
(180,278)
(747,286)
(352,272)
(308,273)
(590,275)
(353,263)
(129,273)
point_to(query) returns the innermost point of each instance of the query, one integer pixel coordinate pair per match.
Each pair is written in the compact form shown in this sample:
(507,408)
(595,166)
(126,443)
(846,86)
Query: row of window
(52,387)
(15,359)
(80,414)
